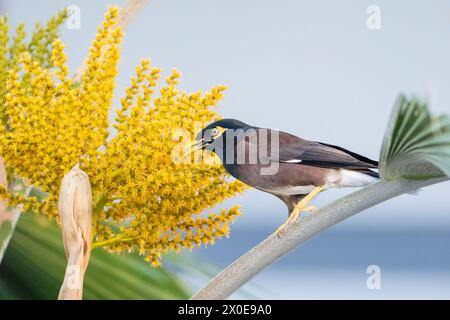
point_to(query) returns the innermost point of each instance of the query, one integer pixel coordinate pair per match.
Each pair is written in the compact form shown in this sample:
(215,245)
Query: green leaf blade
(416,144)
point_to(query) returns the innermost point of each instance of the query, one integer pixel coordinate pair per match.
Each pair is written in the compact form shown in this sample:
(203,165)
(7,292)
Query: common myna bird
(300,168)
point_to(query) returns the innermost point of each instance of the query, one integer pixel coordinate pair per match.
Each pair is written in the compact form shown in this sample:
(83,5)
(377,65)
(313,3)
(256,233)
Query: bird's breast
(290,190)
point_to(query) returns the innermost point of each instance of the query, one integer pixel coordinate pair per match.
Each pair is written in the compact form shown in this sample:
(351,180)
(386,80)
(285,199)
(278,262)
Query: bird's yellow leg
(301,206)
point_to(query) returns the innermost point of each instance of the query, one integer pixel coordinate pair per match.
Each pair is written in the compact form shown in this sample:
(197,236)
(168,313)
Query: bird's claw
(310,209)
(293,218)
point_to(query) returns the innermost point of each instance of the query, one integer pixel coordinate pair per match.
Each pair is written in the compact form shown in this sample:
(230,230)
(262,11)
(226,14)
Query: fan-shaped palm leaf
(416,144)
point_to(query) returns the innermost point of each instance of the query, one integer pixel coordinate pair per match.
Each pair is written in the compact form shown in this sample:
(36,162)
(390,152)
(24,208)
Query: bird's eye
(214,132)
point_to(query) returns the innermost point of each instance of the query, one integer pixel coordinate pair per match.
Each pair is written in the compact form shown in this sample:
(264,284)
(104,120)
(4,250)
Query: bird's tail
(370,173)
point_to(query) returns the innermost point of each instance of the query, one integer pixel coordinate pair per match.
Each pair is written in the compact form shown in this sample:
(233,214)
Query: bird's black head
(214,131)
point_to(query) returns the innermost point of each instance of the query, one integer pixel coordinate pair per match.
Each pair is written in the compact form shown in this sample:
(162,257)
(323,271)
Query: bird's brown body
(297,166)
(288,177)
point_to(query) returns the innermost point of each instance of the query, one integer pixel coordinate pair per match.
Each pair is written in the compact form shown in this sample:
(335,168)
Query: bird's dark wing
(296,150)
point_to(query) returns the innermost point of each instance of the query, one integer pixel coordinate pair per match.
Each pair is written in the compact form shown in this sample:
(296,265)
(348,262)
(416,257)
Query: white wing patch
(293,161)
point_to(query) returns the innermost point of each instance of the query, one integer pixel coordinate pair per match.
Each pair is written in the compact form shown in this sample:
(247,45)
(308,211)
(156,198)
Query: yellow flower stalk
(39,48)
(141,198)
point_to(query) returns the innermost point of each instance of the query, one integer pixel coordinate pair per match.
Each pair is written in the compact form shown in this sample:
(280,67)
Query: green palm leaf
(34,266)
(416,144)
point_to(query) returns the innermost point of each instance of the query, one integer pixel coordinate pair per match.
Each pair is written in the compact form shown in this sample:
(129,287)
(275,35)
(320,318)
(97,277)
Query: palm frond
(416,144)
(34,265)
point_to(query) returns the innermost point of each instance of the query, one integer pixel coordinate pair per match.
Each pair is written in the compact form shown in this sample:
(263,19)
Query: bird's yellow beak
(197,145)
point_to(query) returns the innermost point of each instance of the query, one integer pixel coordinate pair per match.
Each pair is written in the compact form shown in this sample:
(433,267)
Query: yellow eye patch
(221,130)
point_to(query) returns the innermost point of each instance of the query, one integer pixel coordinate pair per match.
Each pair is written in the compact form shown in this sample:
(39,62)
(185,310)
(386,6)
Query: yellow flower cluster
(142,199)
(39,48)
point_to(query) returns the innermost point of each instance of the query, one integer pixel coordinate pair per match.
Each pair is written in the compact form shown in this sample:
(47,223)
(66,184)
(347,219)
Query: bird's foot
(293,218)
(310,209)
(301,206)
